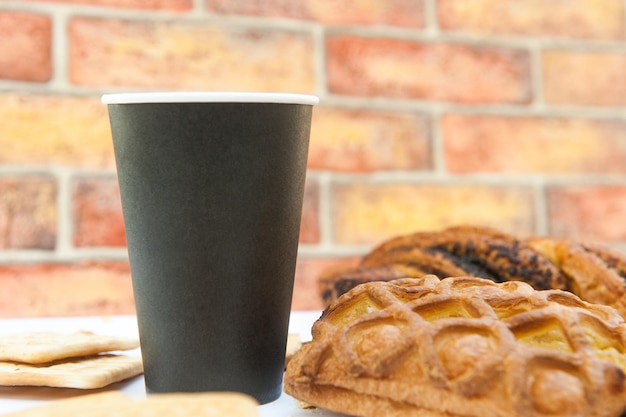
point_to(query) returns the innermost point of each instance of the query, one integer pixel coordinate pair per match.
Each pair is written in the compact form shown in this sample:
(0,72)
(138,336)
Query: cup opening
(209,97)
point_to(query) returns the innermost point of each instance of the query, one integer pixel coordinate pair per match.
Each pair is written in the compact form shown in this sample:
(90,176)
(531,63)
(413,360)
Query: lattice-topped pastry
(463,346)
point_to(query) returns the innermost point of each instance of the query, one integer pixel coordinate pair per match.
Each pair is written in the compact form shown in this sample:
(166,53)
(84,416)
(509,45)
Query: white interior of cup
(208,97)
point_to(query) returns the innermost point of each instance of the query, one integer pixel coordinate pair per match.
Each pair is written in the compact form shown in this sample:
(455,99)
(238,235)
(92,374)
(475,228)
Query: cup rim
(208,97)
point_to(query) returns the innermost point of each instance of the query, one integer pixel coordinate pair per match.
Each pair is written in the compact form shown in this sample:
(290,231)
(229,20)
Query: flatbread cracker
(42,347)
(115,404)
(82,373)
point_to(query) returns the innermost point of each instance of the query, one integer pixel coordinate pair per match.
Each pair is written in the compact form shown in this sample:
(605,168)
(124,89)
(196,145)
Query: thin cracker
(214,404)
(294,343)
(43,347)
(81,373)
(115,404)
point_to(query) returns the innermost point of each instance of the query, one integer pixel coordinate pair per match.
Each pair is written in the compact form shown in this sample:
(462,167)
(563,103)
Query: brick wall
(507,113)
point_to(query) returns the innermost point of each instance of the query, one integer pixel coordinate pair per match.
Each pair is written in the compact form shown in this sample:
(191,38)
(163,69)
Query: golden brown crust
(462,347)
(425,260)
(593,272)
(456,251)
(480,252)
(613,259)
(336,281)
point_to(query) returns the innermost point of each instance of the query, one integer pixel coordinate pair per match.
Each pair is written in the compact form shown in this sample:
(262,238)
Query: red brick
(306,293)
(42,290)
(64,130)
(402,13)
(97,213)
(25,50)
(597,19)
(28,212)
(588,212)
(310,224)
(104,288)
(358,140)
(433,71)
(144,54)
(533,145)
(174,5)
(371,213)
(584,78)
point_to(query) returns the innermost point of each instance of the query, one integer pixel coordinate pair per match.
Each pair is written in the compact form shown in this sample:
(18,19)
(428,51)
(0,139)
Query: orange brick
(97,213)
(310,223)
(25,49)
(433,71)
(599,19)
(306,292)
(39,129)
(28,212)
(357,140)
(42,290)
(371,213)
(403,13)
(533,145)
(585,78)
(175,5)
(143,54)
(588,213)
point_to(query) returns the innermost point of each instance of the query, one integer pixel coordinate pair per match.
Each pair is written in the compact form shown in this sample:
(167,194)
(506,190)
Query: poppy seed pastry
(462,346)
(456,251)
(594,273)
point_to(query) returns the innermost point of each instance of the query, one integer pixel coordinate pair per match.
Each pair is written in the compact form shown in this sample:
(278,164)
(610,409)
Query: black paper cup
(212,187)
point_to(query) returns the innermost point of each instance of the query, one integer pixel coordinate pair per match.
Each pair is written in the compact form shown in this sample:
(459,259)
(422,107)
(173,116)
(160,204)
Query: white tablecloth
(18,398)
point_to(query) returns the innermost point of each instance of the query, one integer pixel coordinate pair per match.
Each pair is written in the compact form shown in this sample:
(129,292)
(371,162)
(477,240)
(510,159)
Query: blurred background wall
(504,113)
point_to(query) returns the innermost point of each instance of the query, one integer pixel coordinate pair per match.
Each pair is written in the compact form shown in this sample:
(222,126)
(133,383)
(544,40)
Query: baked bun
(594,273)
(462,346)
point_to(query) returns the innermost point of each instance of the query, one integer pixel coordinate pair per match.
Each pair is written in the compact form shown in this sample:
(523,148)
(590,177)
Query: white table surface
(19,398)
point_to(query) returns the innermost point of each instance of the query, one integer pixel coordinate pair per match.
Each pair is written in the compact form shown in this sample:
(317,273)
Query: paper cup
(212,187)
